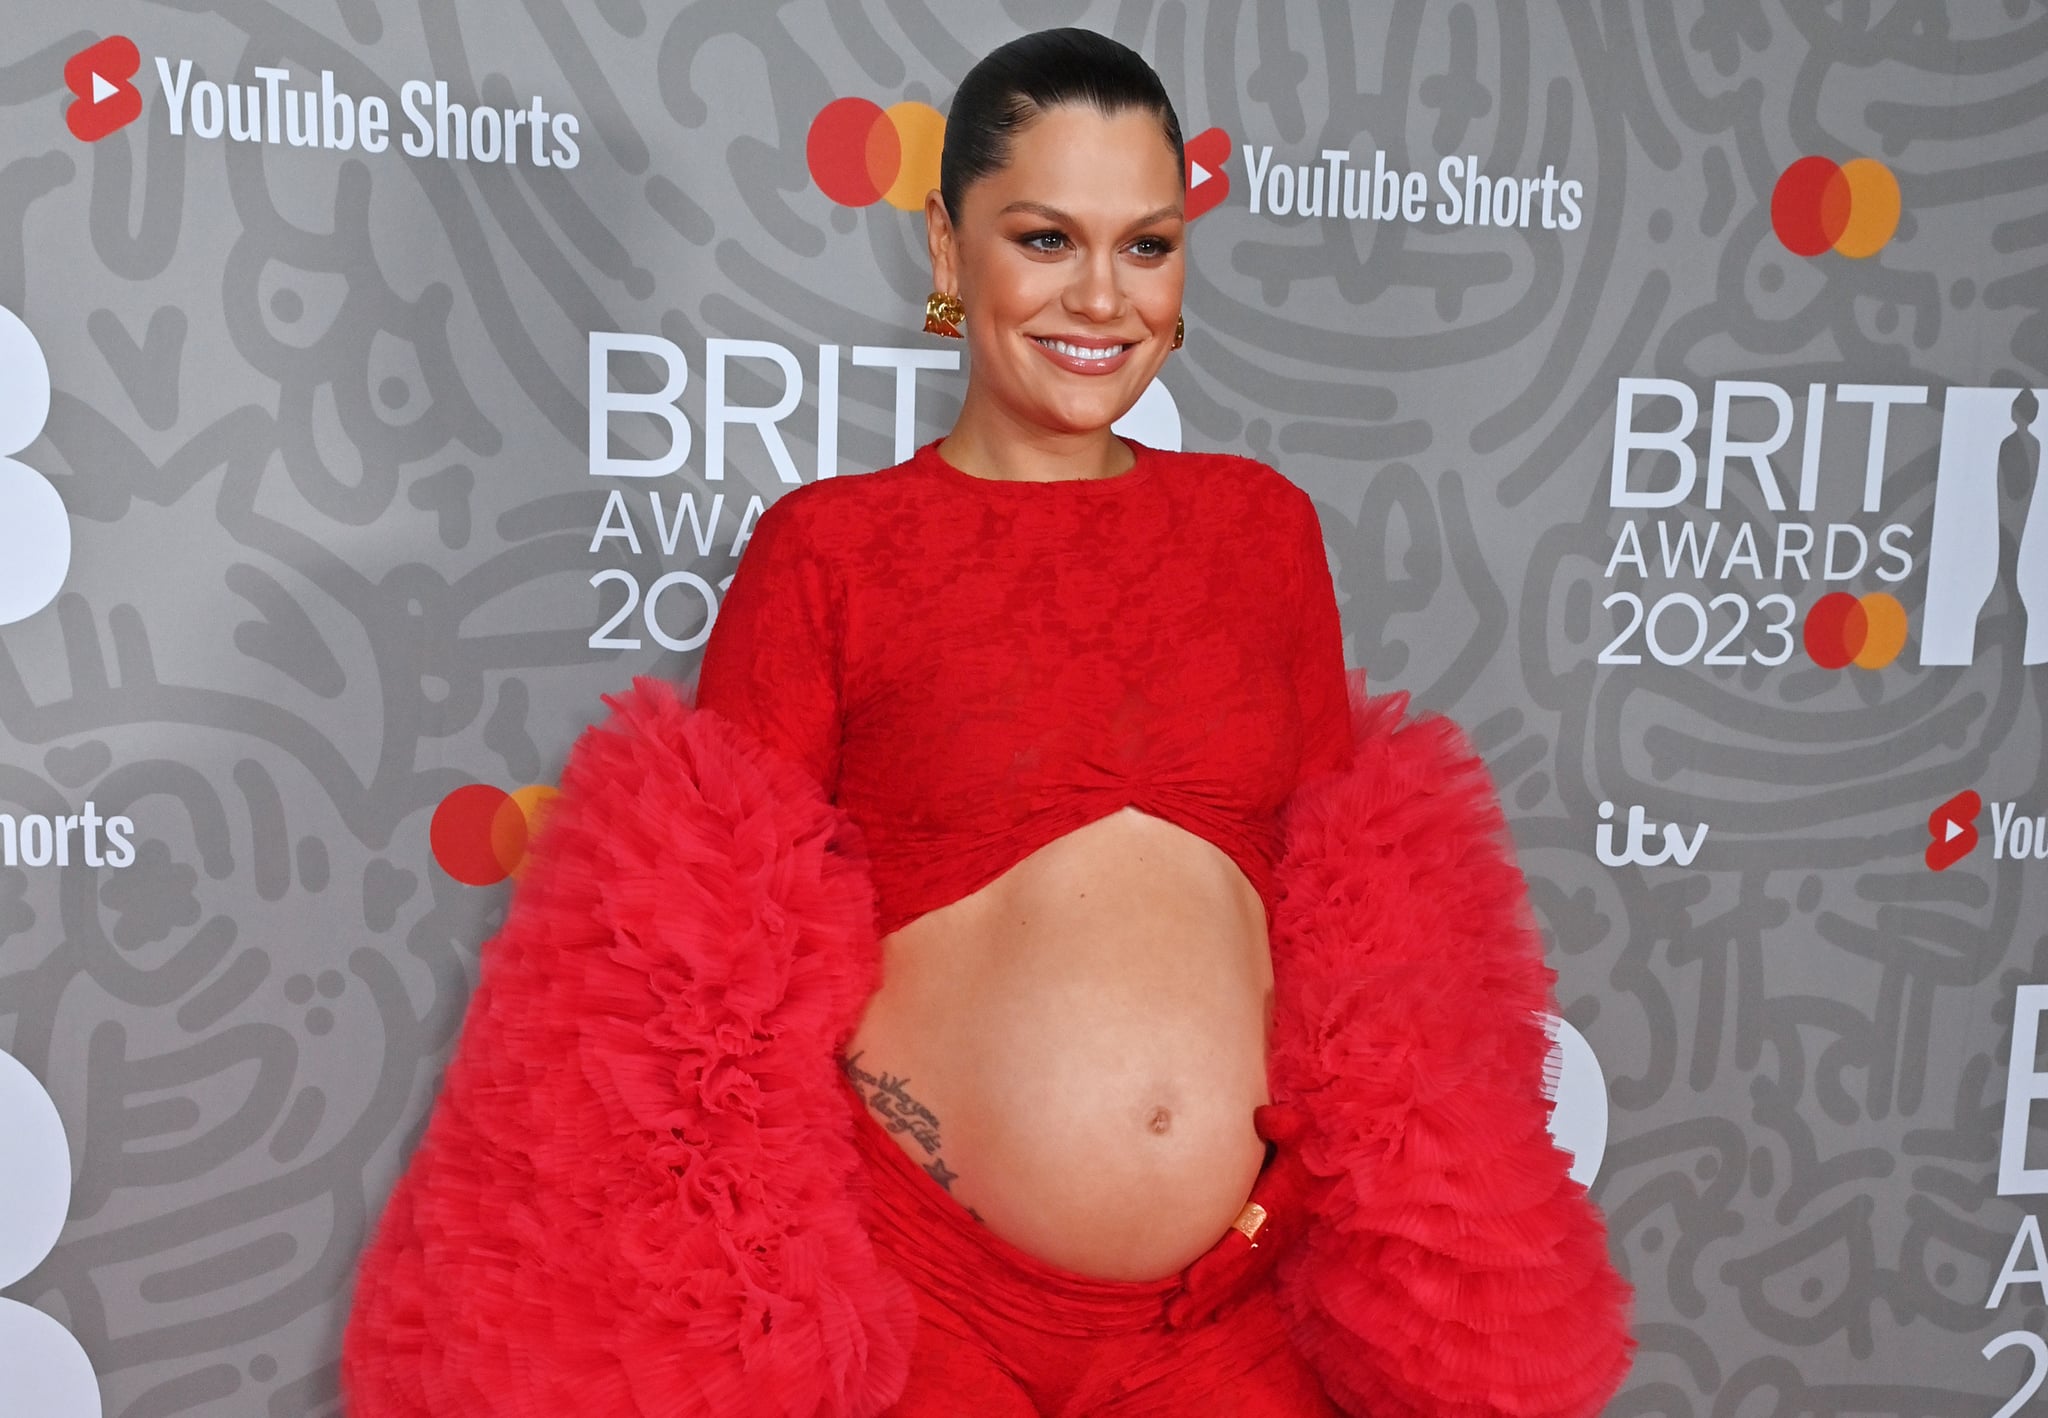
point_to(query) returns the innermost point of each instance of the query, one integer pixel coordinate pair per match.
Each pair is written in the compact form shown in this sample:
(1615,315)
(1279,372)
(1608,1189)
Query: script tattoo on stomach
(888,1094)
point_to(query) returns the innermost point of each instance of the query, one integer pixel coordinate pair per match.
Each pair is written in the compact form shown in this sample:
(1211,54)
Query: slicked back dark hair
(1035,72)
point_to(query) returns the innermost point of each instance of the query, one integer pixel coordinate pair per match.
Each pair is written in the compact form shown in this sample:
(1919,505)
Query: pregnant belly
(1074,1051)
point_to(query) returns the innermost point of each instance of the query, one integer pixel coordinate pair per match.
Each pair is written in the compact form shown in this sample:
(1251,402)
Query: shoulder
(825,509)
(856,495)
(1259,487)
(843,524)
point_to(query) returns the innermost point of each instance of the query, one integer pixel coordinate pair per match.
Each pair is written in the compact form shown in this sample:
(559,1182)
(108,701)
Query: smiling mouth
(1074,351)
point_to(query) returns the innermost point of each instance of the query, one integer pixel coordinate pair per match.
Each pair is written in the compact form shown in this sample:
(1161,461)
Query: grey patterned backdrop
(320,421)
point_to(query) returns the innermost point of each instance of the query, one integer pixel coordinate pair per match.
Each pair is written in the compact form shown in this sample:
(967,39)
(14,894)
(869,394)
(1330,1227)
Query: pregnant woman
(1030,978)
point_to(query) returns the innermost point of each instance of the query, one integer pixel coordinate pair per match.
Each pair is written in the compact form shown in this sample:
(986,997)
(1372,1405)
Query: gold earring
(943,313)
(1180,331)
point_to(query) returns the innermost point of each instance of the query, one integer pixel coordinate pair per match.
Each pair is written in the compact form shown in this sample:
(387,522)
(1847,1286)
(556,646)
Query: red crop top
(973,667)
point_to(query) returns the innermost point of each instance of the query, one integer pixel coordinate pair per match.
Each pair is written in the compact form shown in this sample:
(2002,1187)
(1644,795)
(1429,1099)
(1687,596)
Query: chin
(1078,420)
(1084,415)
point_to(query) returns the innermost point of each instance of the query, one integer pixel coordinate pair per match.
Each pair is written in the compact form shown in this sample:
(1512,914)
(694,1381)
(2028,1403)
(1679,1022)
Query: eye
(1042,240)
(1152,246)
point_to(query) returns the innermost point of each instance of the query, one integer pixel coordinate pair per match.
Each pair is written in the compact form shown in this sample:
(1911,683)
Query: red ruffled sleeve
(631,1199)
(1456,1270)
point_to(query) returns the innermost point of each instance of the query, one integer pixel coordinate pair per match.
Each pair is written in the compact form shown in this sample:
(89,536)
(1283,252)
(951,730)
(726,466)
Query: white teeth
(1084,351)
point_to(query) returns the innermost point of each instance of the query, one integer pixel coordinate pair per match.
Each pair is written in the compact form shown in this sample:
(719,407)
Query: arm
(631,1197)
(771,666)
(1321,684)
(1454,1269)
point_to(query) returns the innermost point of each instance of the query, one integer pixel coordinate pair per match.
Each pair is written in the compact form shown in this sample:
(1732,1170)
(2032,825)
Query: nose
(1094,293)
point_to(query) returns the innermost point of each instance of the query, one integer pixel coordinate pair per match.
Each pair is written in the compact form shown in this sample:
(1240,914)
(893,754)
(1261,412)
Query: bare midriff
(1074,1050)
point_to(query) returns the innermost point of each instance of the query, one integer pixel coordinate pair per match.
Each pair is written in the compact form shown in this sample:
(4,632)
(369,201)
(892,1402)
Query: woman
(1030,978)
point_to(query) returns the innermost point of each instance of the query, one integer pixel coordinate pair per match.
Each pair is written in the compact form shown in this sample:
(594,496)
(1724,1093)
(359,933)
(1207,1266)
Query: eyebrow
(1054,214)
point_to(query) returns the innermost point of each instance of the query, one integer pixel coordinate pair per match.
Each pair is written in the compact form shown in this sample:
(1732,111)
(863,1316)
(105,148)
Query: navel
(1161,1120)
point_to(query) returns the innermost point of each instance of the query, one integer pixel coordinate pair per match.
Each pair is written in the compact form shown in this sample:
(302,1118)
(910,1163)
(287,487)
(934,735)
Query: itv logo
(1640,848)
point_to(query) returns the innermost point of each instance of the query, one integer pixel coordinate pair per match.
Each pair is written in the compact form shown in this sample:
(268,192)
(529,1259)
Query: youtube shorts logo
(1208,183)
(99,75)
(1952,829)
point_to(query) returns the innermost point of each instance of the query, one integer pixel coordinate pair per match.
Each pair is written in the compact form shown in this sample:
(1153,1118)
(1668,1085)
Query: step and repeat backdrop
(382,383)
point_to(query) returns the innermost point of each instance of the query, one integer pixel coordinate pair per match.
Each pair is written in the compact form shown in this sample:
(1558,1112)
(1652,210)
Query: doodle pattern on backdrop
(321,423)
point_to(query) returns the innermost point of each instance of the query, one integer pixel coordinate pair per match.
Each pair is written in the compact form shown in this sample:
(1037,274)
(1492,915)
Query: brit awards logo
(1577,1090)
(1989,477)
(35,531)
(1742,562)
(42,1368)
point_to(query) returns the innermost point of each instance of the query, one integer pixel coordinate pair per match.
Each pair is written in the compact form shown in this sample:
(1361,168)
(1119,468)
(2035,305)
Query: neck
(992,443)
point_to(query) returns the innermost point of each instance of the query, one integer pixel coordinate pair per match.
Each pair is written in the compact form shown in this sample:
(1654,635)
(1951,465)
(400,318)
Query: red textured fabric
(639,1192)
(1456,1271)
(1002,1334)
(631,1200)
(972,668)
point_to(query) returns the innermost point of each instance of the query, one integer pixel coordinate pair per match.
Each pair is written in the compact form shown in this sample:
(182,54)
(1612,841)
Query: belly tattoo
(888,1096)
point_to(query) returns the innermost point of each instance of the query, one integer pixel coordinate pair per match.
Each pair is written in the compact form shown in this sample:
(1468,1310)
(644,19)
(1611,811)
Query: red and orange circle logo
(479,833)
(1852,207)
(1867,631)
(861,153)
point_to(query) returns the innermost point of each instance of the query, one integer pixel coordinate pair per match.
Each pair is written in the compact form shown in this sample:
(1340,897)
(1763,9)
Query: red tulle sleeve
(631,1196)
(1455,1270)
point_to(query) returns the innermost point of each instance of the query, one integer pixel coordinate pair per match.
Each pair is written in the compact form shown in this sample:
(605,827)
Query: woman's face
(1070,263)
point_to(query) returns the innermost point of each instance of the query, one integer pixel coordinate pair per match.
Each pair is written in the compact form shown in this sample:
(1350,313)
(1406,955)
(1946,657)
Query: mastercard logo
(1866,631)
(861,153)
(1852,207)
(479,833)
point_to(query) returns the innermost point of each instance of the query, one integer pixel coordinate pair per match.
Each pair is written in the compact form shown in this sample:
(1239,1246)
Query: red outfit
(1002,1334)
(972,668)
(641,1192)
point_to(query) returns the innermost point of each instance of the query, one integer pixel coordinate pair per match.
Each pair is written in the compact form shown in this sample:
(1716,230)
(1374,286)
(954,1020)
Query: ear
(938,237)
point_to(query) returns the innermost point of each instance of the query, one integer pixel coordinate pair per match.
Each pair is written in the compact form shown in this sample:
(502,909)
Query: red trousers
(1001,1334)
